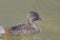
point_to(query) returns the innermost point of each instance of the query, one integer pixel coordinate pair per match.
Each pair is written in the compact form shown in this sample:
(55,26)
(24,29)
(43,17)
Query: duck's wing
(21,27)
(16,27)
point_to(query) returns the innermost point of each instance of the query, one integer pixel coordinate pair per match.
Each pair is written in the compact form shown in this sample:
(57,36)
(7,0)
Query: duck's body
(24,29)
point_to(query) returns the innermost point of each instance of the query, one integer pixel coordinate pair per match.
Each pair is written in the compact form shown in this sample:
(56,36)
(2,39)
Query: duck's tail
(2,31)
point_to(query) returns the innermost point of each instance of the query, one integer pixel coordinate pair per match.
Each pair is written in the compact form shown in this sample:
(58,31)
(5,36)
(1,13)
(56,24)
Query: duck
(25,29)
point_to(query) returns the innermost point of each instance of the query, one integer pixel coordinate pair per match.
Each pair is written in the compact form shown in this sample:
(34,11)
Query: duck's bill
(42,20)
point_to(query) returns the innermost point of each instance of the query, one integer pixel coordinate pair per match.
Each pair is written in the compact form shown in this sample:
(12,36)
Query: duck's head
(33,16)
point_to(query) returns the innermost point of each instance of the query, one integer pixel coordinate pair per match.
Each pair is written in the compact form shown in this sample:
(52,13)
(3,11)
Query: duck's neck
(32,23)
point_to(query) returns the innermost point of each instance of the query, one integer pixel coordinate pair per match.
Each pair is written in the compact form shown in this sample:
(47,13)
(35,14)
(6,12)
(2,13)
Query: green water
(14,11)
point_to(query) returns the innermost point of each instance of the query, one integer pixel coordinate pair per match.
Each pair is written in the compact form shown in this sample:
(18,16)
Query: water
(14,11)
